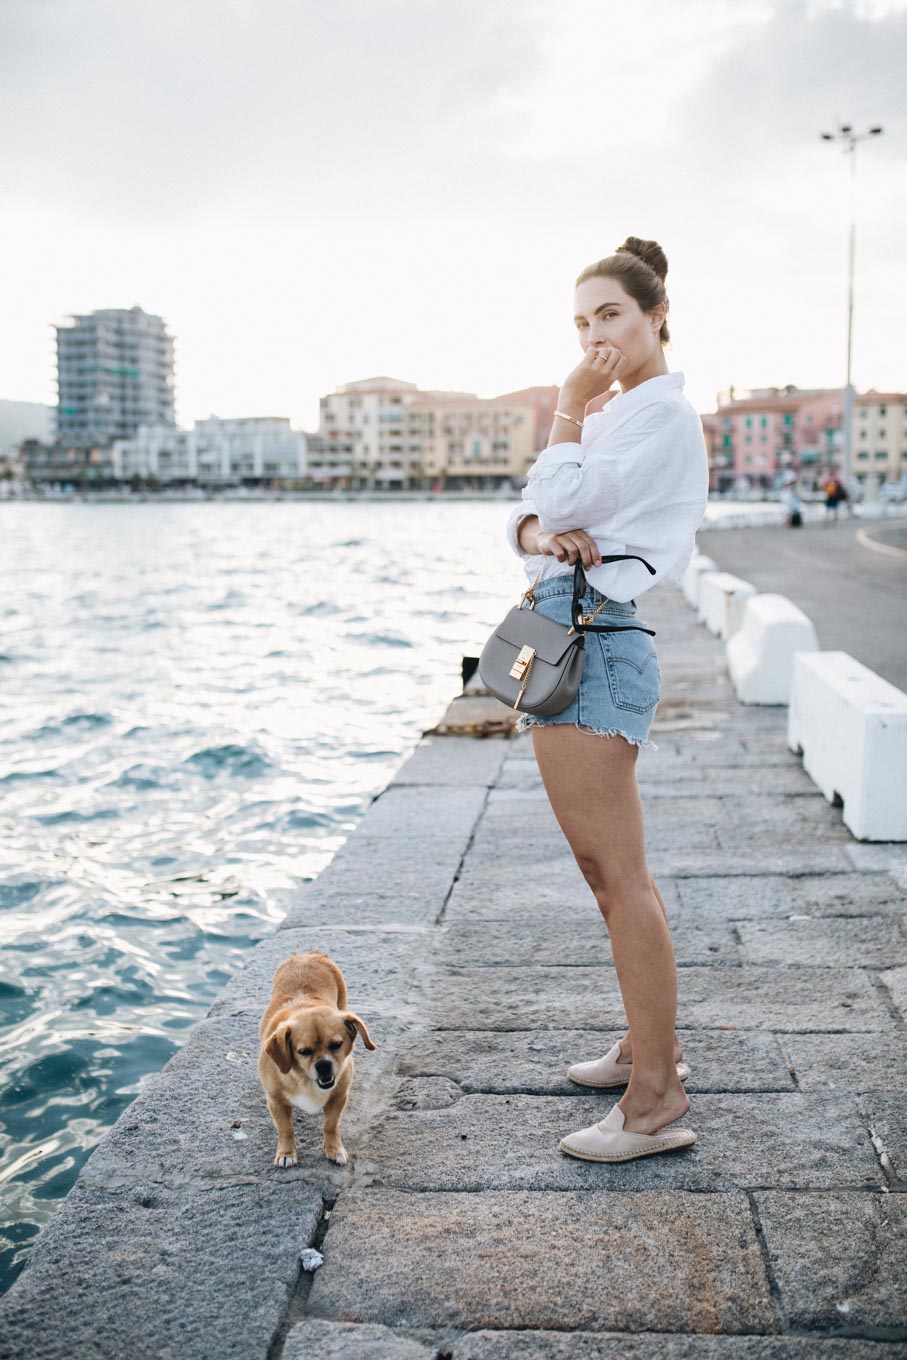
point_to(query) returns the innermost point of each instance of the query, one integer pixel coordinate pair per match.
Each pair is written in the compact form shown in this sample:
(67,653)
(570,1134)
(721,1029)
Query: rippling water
(197,702)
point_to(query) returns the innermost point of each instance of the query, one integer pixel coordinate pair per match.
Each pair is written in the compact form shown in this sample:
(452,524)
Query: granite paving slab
(545,1345)
(315,1339)
(868,941)
(147,1273)
(456,761)
(376,864)
(663,1260)
(534,1062)
(838,1260)
(848,1062)
(580,940)
(319,906)
(886,1116)
(374,964)
(723,995)
(543,860)
(895,982)
(485,1142)
(562,896)
(399,813)
(835,894)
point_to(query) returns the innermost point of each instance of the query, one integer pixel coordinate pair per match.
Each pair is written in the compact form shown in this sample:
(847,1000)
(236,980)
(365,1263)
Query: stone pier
(474,950)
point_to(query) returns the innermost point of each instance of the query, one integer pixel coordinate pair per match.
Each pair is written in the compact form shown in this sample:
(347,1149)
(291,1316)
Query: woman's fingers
(576,544)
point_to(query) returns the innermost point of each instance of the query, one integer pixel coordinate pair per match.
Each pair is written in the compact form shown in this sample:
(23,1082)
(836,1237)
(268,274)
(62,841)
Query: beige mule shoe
(610,1071)
(607,1141)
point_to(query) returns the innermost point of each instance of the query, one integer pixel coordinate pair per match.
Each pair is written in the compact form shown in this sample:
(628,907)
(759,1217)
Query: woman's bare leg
(626,1044)
(591,785)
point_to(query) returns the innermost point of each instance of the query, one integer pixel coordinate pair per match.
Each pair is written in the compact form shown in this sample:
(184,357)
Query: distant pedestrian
(832,486)
(790,500)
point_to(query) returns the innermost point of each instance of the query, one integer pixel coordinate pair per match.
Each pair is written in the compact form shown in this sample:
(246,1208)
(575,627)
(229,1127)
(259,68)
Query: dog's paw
(285,1159)
(339,1157)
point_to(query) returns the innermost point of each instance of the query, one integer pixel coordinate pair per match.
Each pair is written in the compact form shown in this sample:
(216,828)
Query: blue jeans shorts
(621,683)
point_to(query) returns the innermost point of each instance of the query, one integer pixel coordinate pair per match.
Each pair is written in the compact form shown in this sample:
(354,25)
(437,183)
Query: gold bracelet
(563,415)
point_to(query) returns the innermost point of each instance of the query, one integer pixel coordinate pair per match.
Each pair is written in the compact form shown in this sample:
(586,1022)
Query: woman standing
(623,473)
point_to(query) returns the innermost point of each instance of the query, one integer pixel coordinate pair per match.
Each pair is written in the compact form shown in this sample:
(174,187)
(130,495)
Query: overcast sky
(311,193)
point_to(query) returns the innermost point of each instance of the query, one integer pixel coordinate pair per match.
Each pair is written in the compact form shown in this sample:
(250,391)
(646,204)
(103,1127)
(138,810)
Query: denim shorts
(621,681)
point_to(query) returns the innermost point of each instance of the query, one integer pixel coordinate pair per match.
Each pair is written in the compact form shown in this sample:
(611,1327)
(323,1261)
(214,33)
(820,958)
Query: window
(862,455)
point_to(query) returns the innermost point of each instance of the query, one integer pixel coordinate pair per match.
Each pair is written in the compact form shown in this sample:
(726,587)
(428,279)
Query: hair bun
(650,252)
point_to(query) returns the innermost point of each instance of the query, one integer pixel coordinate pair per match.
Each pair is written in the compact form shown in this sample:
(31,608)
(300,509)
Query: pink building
(755,437)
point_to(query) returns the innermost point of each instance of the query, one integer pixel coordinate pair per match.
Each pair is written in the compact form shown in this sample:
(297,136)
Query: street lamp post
(850,138)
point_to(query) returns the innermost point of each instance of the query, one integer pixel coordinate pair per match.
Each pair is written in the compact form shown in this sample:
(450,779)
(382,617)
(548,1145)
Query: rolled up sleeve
(573,487)
(515,519)
(569,487)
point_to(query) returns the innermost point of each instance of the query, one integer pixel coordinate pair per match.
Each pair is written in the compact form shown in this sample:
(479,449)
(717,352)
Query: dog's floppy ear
(280,1047)
(353,1023)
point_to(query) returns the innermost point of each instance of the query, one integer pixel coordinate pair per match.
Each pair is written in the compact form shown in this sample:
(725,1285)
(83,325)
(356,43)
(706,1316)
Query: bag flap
(522,627)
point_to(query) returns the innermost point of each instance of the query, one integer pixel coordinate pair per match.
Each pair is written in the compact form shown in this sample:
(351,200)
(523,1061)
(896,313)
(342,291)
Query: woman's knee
(614,882)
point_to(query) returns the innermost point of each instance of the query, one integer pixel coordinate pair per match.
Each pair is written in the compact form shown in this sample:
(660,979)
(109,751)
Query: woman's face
(607,316)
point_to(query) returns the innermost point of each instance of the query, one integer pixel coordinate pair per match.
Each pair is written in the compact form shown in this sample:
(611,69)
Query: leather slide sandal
(610,1071)
(607,1141)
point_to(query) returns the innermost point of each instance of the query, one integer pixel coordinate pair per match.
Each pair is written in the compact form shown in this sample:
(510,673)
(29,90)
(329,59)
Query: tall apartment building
(114,373)
(389,434)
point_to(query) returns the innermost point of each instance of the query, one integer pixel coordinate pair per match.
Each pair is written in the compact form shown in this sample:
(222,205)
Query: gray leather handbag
(534,663)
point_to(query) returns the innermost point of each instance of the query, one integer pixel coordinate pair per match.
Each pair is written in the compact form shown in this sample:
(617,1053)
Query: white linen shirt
(637,482)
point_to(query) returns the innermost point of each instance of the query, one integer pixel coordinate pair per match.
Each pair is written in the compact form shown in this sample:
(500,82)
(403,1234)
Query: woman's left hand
(570,545)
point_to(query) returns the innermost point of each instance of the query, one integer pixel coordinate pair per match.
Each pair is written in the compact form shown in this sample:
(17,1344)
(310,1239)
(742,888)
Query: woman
(623,473)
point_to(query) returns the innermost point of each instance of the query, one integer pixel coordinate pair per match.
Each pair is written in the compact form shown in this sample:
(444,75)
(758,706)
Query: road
(850,578)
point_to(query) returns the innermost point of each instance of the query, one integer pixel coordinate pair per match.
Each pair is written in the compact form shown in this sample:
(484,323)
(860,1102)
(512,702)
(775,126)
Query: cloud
(157,111)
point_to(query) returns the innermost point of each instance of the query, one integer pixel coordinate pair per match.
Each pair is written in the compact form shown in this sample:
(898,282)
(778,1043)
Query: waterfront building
(543,401)
(366,438)
(67,466)
(382,433)
(880,435)
(114,373)
(250,450)
(759,434)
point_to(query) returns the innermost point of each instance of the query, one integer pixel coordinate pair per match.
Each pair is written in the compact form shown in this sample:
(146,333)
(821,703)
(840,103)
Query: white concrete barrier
(699,564)
(722,598)
(760,655)
(851,726)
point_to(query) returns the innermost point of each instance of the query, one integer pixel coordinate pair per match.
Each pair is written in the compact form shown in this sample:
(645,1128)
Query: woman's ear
(279,1047)
(353,1023)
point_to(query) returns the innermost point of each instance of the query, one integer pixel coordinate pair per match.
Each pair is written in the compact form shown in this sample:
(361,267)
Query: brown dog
(306,1057)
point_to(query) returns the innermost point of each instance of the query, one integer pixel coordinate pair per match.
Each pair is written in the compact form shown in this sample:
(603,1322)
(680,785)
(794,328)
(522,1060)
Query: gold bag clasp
(522,663)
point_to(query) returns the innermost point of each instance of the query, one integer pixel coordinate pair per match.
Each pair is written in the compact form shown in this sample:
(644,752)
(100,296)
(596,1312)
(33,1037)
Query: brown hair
(641,267)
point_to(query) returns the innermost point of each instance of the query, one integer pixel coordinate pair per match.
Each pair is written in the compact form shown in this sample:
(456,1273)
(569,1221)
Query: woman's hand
(594,374)
(569,546)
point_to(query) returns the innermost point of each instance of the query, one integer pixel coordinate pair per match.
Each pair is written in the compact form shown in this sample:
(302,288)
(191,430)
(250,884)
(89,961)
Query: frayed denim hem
(527,720)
